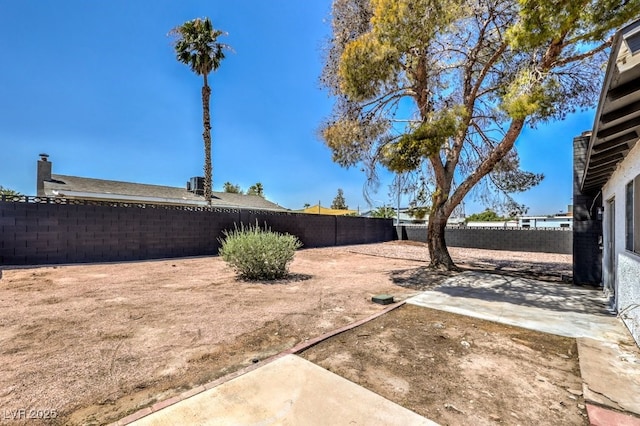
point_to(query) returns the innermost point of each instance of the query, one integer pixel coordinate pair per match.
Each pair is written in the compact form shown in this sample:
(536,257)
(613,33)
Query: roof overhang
(616,127)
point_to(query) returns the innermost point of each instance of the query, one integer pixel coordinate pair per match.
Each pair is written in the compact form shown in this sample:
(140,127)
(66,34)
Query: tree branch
(585,55)
(486,166)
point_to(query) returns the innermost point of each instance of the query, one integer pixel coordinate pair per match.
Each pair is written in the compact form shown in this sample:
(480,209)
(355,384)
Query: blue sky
(95,84)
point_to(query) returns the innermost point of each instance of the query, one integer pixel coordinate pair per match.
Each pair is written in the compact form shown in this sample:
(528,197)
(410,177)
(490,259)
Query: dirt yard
(93,343)
(459,370)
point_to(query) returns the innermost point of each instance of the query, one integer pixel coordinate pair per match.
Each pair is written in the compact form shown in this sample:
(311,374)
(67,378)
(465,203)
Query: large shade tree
(443,88)
(196,45)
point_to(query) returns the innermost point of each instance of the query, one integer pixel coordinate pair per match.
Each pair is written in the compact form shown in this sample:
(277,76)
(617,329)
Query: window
(564,225)
(632,39)
(632,215)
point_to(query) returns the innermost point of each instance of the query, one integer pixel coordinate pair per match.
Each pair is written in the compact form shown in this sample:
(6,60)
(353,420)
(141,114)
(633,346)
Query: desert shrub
(258,253)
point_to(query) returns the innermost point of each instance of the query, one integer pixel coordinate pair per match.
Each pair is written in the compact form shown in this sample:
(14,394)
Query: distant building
(405,217)
(74,187)
(493,224)
(408,218)
(545,222)
(318,209)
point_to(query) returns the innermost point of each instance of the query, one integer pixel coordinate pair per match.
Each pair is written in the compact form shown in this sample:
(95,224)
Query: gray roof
(99,189)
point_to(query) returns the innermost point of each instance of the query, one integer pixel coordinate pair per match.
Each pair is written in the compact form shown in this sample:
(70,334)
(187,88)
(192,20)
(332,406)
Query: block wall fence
(513,239)
(36,230)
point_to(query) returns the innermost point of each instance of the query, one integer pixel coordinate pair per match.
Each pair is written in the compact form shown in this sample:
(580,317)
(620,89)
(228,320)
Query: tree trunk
(206,136)
(440,258)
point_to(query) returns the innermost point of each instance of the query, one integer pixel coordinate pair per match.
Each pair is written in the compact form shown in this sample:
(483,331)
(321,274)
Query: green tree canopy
(256,189)
(196,45)
(231,188)
(384,212)
(441,89)
(418,213)
(8,192)
(486,216)
(339,203)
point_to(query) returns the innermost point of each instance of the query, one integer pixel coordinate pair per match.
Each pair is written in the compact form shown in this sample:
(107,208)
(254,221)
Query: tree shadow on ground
(519,287)
(421,278)
(424,278)
(288,279)
(525,291)
(543,271)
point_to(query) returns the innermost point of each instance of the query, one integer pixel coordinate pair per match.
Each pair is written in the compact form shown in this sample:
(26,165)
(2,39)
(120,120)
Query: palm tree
(196,45)
(8,193)
(256,189)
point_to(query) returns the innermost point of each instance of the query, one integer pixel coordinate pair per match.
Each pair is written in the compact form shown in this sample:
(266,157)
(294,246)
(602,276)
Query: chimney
(44,174)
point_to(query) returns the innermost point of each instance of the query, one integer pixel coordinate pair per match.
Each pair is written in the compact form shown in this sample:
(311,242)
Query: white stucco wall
(627,267)
(629,292)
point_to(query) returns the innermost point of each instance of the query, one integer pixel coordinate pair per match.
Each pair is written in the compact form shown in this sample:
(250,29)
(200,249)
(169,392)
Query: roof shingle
(88,188)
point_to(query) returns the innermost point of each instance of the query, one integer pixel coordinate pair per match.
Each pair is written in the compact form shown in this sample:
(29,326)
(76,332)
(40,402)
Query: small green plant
(258,253)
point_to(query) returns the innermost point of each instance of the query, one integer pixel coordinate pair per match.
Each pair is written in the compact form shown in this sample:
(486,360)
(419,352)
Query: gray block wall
(33,233)
(587,226)
(513,239)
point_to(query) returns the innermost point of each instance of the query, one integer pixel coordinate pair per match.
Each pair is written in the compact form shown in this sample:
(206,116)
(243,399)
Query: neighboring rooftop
(63,186)
(318,209)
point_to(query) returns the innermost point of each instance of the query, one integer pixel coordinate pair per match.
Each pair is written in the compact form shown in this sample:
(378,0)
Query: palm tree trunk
(206,136)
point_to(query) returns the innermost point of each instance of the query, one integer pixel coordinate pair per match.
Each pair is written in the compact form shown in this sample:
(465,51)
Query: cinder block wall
(34,233)
(533,240)
(587,227)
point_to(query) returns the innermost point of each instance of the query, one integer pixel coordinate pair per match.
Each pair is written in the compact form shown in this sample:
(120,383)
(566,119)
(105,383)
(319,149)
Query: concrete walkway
(291,390)
(288,391)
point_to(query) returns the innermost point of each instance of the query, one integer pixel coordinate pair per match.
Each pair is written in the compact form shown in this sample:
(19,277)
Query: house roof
(617,124)
(318,209)
(99,189)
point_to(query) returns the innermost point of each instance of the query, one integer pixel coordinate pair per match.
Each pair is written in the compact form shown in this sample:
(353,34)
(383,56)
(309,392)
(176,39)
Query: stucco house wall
(626,274)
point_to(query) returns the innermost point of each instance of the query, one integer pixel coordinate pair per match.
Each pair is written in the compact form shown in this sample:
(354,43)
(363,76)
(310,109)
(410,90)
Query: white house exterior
(546,222)
(621,274)
(607,183)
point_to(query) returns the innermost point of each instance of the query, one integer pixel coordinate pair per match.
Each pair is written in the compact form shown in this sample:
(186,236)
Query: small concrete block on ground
(288,391)
(382,299)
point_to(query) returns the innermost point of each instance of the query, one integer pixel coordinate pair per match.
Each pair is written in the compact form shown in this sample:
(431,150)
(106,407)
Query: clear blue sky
(95,84)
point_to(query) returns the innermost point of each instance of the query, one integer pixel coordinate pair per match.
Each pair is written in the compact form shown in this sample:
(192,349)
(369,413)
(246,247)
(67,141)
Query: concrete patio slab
(537,305)
(287,391)
(609,358)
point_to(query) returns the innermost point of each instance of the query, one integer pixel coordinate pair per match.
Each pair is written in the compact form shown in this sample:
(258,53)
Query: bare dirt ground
(94,343)
(458,370)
